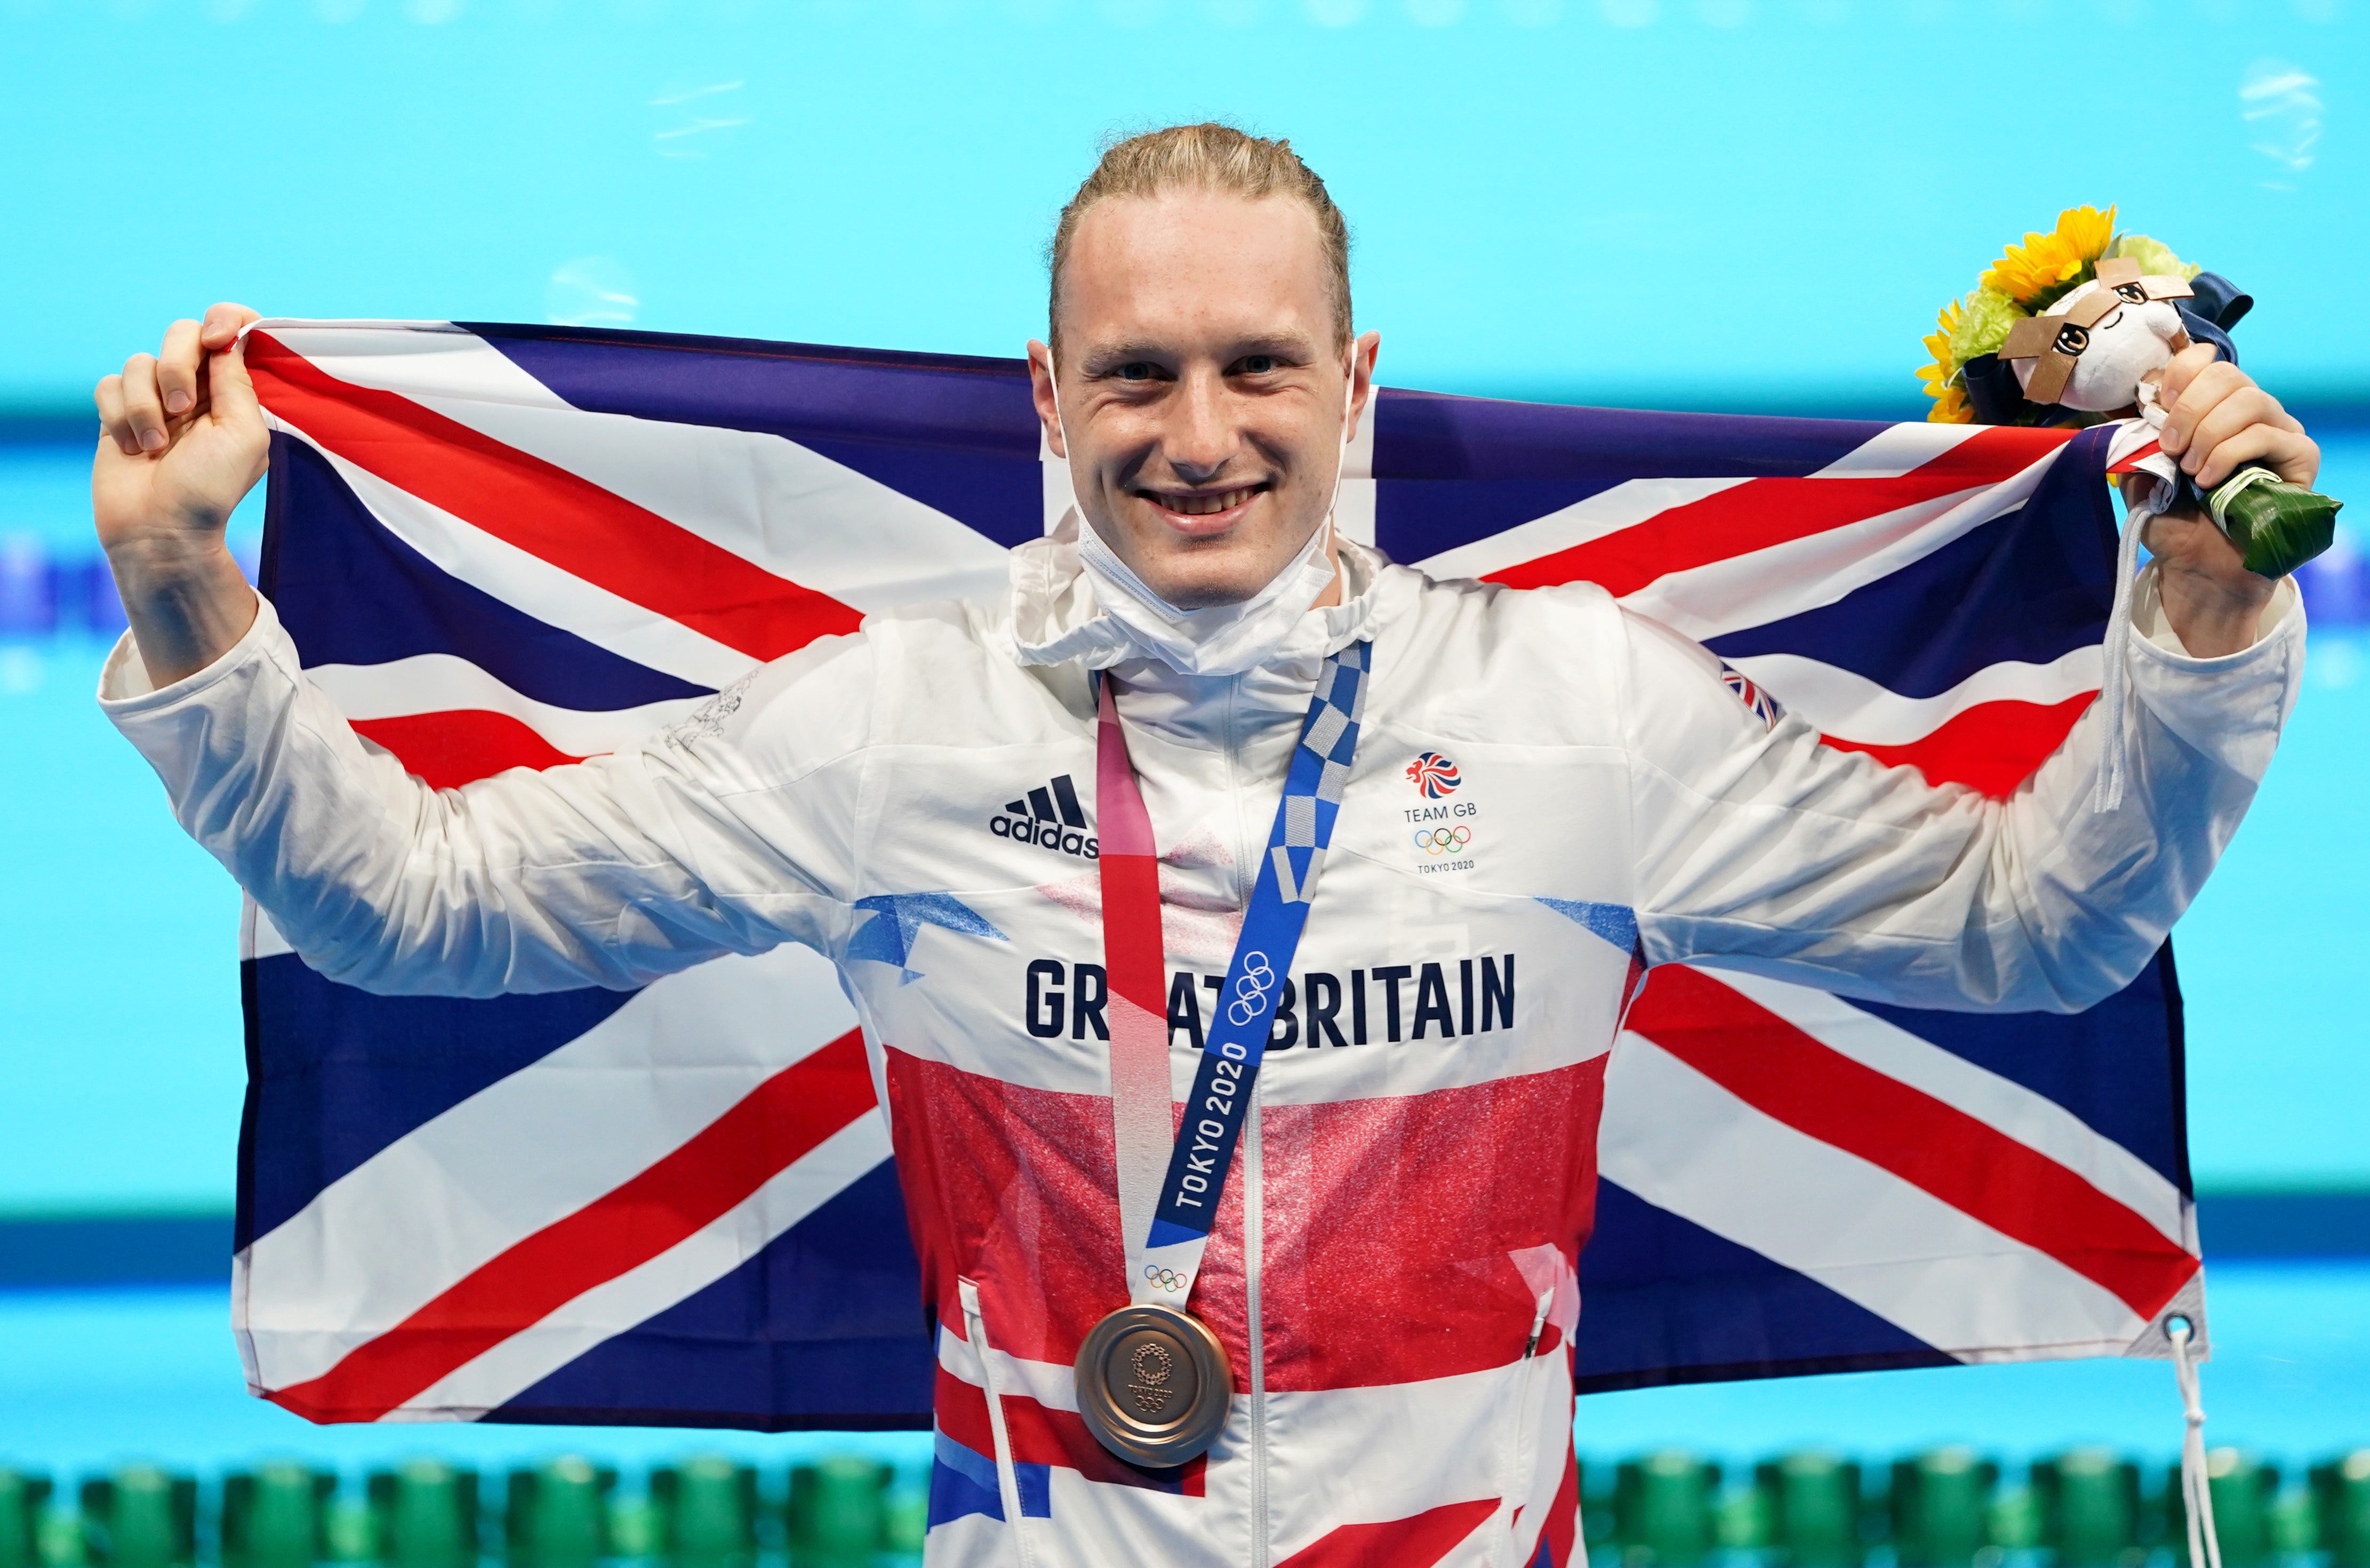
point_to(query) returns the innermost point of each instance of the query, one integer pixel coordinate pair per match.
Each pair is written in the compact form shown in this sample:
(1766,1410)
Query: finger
(2182,370)
(2208,388)
(2256,444)
(228,383)
(113,421)
(143,409)
(177,366)
(223,323)
(2292,457)
(2246,406)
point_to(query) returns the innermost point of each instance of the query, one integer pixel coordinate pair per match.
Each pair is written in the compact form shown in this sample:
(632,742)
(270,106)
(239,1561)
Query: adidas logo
(1050,816)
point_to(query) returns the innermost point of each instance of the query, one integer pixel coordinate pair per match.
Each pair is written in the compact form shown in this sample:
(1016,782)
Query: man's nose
(1200,440)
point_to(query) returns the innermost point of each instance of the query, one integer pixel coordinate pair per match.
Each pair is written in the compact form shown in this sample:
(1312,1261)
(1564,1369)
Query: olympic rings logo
(1167,1279)
(1250,992)
(1443,840)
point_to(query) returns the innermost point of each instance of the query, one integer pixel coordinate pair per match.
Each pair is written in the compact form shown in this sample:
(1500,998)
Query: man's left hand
(2217,421)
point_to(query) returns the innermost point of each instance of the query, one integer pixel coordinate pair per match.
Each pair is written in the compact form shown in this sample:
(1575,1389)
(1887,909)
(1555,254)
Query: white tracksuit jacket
(1418,1174)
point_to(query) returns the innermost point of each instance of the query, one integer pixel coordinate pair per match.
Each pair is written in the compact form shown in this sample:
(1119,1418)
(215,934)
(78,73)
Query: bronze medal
(1154,1385)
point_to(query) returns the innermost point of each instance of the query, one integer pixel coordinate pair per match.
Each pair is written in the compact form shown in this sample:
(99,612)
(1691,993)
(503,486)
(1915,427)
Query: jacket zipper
(1519,1480)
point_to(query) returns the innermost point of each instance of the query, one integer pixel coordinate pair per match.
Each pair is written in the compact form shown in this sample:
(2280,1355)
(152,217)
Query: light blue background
(1730,201)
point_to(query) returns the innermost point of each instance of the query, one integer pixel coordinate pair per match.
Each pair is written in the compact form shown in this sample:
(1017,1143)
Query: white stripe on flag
(1897,450)
(1626,505)
(768,500)
(1817,570)
(414,359)
(2035,1120)
(528,1150)
(443,682)
(1849,706)
(1684,1143)
(642,1292)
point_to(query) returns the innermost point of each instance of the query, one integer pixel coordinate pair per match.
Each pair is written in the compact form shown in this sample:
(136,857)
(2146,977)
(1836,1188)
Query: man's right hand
(182,441)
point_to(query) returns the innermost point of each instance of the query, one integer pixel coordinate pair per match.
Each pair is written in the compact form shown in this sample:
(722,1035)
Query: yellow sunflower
(1950,402)
(2044,264)
(2088,230)
(1950,409)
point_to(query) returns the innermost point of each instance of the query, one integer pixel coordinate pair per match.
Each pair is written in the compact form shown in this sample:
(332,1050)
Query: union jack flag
(500,546)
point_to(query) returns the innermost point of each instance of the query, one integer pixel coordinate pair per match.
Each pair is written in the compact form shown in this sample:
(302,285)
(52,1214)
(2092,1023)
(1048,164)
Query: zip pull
(1539,1326)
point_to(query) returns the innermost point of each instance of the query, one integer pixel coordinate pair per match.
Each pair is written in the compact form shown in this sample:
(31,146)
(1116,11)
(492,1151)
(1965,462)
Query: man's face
(1201,388)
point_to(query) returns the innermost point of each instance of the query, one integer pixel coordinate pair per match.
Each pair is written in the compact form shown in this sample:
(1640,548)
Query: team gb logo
(1432,774)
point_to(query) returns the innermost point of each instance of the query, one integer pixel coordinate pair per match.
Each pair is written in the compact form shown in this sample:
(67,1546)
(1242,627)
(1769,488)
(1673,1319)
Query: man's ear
(1041,389)
(1363,350)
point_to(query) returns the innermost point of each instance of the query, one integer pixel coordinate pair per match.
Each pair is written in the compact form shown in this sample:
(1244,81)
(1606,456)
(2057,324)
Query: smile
(1209,505)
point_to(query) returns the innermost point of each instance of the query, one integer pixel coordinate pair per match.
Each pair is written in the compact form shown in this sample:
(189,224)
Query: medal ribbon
(1167,1204)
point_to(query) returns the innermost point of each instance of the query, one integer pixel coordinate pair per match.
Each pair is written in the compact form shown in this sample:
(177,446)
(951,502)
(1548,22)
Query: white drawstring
(2196,1487)
(2113,681)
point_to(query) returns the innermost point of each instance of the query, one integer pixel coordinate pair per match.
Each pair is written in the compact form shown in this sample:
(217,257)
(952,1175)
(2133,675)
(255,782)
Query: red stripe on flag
(2132,463)
(545,510)
(1760,514)
(445,751)
(1991,747)
(1418,1541)
(778,1123)
(1777,1068)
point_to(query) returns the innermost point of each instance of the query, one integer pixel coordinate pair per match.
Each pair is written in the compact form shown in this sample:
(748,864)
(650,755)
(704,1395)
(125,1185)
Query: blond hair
(1209,158)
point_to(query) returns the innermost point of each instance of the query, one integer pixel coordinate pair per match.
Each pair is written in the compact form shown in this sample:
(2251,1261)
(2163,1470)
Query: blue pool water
(90,1379)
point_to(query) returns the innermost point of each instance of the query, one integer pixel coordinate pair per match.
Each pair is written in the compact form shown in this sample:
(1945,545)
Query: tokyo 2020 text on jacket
(1425,1150)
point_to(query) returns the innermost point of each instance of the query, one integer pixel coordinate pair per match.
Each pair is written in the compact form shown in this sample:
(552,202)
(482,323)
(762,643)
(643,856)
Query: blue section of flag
(1665,1300)
(1618,923)
(412,606)
(2030,586)
(336,1074)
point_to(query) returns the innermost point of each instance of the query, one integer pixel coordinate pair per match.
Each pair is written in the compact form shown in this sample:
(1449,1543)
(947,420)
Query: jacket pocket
(1519,1485)
(1007,1478)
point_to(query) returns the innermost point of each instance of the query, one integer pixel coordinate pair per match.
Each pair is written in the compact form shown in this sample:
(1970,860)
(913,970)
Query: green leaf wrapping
(2276,525)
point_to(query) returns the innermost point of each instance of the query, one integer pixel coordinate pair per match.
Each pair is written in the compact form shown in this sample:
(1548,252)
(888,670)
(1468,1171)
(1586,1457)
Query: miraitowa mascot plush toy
(2075,328)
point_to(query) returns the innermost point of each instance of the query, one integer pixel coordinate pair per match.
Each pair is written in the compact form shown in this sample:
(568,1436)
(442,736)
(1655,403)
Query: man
(1399,1199)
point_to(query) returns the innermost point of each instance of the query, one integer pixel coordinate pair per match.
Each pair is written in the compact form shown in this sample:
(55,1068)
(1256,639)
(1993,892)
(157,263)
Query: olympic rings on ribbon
(1250,992)
(1167,1279)
(1443,840)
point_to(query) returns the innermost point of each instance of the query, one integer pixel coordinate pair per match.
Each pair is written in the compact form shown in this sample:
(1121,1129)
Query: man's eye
(1134,371)
(1260,364)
